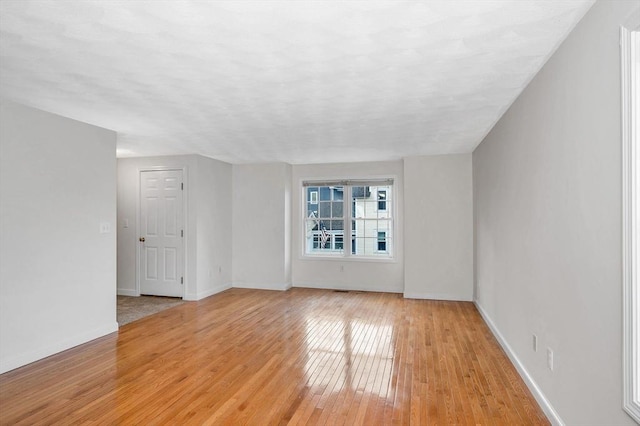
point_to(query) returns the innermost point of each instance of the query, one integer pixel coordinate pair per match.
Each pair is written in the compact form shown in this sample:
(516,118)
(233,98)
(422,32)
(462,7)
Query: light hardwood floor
(297,357)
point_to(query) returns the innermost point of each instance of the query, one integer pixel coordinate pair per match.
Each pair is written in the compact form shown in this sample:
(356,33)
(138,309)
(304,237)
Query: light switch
(125,223)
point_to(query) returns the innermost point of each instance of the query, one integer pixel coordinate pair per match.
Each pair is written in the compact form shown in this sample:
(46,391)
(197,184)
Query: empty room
(320,212)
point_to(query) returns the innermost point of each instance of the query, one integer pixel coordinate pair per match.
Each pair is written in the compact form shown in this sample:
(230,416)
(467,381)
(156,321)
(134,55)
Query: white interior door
(161,233)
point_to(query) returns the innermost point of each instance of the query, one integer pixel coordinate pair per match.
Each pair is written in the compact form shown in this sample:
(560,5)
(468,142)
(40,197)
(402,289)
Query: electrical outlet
(105,227)
(535,343)
(550,359)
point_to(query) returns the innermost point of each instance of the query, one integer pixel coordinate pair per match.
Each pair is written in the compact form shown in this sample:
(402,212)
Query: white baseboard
(332,286)
(437,296)
(546,406)
(202,294)
(29,357)
(126,292)
(263,286)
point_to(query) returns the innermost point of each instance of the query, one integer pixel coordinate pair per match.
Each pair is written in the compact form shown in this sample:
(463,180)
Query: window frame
(346,254)
(630,94)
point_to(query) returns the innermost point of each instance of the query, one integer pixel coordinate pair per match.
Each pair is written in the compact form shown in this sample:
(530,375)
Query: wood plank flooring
(266,358)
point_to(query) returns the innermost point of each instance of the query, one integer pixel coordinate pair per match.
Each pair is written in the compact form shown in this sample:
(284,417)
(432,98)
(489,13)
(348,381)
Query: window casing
(630,79)
(349,208)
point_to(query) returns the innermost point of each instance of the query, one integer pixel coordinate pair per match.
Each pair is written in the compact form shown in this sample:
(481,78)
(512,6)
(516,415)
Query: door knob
(141,239)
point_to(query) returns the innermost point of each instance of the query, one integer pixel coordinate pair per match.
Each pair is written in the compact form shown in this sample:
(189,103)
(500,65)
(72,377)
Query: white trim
(185,223)
(381,180)
(339,257)
(437,296)
(41,353)
(342,287)
(546,406)
(203,294)
(630,109)
(349,182)
(263,286)
(127,292)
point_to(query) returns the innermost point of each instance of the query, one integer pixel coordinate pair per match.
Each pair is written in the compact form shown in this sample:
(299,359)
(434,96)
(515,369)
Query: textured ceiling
(261,81)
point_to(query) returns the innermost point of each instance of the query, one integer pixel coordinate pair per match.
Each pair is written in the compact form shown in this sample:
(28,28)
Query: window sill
(338,257)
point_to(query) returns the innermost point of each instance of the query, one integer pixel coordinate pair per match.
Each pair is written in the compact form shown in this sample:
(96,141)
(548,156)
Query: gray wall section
(214,233)
(58,275)
(547,195)
(261,226)
(438,217)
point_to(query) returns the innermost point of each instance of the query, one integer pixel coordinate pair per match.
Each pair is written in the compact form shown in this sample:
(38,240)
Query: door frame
(185,221)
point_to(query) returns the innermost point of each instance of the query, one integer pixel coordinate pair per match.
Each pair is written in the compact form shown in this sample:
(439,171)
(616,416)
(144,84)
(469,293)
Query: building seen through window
(328,231)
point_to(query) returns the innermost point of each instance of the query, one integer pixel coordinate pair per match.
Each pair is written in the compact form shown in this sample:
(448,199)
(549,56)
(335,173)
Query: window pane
(382,199)
(311,226)
(370,227)
(324,208)
(325,240)
(325,193)
(311,190)
(382,241)
(337,225)
(312,195)
(312,201)
(371,208)
(324,234)
(383,226)
(336,209)
(358,192)
(338,193)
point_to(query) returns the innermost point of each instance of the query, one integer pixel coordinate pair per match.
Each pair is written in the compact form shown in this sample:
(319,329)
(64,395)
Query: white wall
(208,228)
(547,193)
(214,229)
(344,274)
(58,272)
(438,223)
(261,226)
